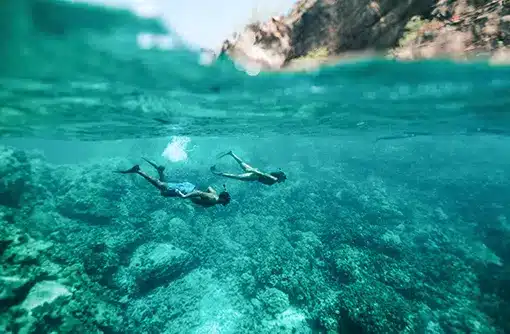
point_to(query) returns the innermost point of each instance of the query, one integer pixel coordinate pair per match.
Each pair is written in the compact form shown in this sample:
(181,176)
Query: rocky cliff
(318,31)
(459,29)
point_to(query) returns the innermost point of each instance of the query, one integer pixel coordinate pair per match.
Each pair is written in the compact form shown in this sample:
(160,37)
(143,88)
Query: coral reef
(152,265)
(14,175)
(40,295)
(87,250)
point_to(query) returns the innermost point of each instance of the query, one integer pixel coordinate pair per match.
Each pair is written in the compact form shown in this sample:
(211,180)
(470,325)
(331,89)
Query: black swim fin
(132,170)
(159,168)
(221,155)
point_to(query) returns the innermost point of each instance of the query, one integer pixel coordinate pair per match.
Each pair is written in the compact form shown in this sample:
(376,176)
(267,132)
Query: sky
(204,23)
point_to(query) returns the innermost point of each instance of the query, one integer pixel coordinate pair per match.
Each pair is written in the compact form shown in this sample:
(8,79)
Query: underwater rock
(7,235)
(390,243)
(52,307)
(38,295)
(44,292)
(27,250)
(12,289)
(350,264)
(462,319)
(101,263)
(172,227)
(23,253)
(274,300)
(248,284)
(307,244)
(22,265)
(15,176)
(86,208)
(373,307)
(91,197)
(197,303)
(497,237)
(153,265)
(480,252)
(440,215)
(289,321)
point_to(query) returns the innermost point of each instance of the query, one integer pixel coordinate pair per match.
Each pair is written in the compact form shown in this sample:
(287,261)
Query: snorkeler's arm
(256,171)
(195,193)
(211,190)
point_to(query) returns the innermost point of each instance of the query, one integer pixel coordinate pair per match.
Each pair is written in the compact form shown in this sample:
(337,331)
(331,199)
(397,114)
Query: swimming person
(160,169)
(250,173)
(206,198)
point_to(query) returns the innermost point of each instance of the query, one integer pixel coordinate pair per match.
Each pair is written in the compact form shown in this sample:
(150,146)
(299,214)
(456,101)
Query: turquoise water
(393,219)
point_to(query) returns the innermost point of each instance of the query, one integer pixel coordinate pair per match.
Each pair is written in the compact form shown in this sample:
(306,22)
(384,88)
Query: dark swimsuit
(266,180)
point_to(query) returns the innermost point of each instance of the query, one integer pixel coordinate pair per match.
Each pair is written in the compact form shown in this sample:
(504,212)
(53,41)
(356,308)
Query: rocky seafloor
(339,248)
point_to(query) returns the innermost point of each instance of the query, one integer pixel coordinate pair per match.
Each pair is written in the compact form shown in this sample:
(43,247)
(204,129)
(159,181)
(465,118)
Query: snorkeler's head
(224,196)
(280,176)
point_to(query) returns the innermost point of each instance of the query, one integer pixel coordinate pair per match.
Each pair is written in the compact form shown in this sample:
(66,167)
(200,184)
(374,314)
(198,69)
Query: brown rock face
(460,30)
(350,25)
(318,31)
(264,46)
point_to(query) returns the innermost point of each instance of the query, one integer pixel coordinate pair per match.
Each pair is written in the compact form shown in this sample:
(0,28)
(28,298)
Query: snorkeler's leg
(136,170)
(241,163)
(242,177)
(156,183)
(160,169)
(132,170)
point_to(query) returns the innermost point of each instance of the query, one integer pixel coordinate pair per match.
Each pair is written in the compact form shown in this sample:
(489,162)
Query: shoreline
(352,57)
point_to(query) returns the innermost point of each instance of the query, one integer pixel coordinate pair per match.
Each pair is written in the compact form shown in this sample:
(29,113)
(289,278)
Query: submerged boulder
(290,321)
(373,307)
(275,301)
(11,288)
(153,265)
(23,263)
(91,196)
(14,176)
(44,292)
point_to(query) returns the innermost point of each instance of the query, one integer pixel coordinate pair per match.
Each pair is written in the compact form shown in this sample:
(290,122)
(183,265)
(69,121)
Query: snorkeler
(206,198)
(160,169)
(250,173)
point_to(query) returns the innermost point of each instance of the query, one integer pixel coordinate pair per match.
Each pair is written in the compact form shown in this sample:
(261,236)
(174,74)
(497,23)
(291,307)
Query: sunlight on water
(150,41)
(176,150)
